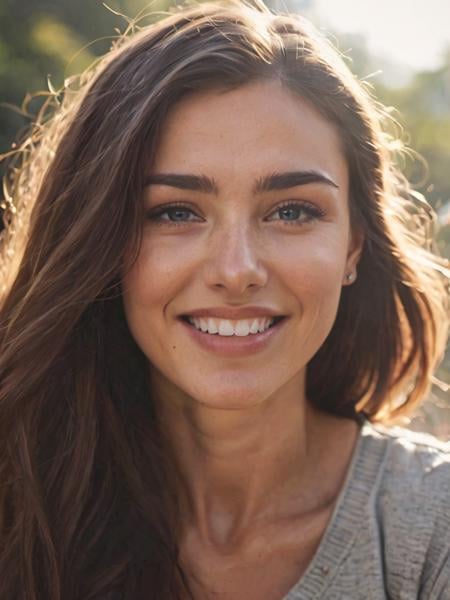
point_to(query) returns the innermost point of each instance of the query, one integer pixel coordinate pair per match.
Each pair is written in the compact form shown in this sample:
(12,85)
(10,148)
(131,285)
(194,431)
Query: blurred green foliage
(52,39)
(422,108)
(44,41)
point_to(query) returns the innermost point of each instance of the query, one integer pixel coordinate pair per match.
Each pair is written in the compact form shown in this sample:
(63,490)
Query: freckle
(174,347)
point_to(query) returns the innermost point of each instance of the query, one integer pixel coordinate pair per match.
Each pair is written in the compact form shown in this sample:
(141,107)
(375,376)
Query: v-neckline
(349,510)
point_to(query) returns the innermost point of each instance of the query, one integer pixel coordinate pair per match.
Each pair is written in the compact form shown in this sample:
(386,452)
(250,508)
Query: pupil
(290,213)
(178,214)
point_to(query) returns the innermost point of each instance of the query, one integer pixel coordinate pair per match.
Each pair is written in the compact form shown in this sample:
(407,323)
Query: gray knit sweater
(389,536)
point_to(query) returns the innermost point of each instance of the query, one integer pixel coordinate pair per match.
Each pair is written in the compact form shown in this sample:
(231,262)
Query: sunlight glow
(414,33)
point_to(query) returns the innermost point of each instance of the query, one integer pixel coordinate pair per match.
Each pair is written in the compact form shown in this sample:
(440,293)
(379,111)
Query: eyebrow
(290,179)
(196,183)
(273,182)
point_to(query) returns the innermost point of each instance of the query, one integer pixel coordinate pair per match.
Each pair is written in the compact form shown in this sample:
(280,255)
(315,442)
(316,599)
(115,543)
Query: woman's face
(246,227)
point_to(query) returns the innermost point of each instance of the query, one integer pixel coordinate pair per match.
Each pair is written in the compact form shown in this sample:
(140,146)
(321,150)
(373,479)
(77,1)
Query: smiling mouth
(232,327)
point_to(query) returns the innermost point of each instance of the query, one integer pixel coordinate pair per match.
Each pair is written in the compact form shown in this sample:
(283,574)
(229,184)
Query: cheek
(146,292)
(155,277)
(312,265)
(311,274)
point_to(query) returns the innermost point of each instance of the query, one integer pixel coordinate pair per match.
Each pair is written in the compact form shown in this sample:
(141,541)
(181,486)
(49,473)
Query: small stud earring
(349,277)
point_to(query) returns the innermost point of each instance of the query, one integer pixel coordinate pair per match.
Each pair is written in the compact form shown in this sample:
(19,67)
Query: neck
(235,468)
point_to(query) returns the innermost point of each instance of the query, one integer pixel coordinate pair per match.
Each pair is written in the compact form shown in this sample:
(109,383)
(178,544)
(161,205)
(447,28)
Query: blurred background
(401,48)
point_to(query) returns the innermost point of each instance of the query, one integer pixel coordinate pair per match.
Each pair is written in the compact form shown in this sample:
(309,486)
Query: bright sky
(414,32)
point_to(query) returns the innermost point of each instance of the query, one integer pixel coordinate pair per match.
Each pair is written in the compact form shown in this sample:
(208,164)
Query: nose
(234,264)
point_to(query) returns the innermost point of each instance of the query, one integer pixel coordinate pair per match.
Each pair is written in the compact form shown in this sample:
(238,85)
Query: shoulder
(412,462)
(413,476)
(412,504)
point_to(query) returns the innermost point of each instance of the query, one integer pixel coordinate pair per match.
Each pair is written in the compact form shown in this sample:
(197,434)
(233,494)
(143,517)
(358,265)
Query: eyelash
(312,211)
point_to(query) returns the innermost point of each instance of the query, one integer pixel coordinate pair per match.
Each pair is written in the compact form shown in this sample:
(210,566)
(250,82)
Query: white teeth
(263,326)
(212,327)
(226,327)
(242,328)
(254,326)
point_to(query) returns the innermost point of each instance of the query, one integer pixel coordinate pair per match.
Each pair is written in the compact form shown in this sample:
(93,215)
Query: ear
(355,248)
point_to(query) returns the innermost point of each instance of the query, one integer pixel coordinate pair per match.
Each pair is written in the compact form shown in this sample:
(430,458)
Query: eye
(297,213)
(173,214)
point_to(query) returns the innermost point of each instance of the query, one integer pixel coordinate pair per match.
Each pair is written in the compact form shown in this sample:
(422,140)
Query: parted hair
(87,510)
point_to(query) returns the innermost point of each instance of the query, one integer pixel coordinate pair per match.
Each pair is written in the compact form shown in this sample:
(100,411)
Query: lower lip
(233,345)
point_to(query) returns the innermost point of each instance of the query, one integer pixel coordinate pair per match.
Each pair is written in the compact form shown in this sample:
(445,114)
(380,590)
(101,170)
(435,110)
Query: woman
(222,287)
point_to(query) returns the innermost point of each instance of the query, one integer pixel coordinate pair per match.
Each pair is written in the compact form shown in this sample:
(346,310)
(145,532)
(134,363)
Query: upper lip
(233,313)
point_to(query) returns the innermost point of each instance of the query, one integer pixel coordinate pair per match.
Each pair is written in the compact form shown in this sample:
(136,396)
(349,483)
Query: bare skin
(257,470)
(255,505)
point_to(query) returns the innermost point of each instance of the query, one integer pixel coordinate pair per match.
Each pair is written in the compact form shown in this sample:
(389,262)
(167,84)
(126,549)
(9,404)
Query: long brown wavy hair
(87,510)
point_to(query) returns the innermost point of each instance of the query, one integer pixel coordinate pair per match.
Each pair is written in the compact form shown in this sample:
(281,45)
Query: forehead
(249,131)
